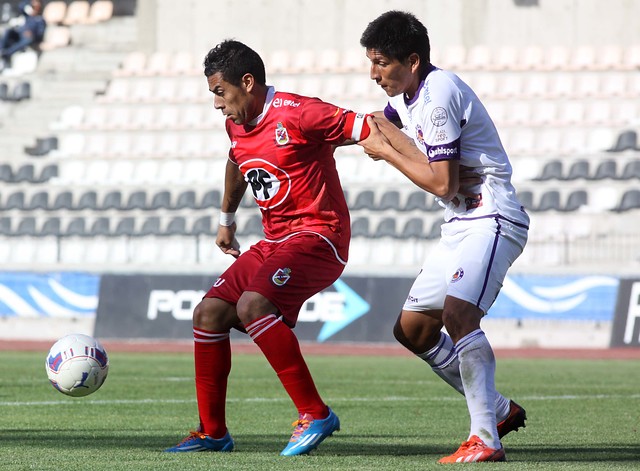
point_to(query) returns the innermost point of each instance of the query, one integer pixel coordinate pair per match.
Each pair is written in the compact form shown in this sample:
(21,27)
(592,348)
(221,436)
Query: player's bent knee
(252,306)
(214,314)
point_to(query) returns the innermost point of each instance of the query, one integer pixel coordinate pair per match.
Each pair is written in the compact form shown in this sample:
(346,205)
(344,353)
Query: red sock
(212,352)
(280,346)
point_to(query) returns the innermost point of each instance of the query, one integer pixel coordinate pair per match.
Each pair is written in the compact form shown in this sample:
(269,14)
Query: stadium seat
(360,227)
(630,200)
(54,12)
(435,231)
(610,57)
(417,200)
(5,226)
(6,173)
(177,226)
(578,170)
(161,200)
(88,200)
(507,57)
(606,169)
(627,140)
(631,57)
(25,173)
(47,173)
(631,170)
(151,226)
(100,10)
(526,199)
(386,228)
(26,227)
(203,226)
(112,200)
(39,200)
(186,200)
(77,13)
(15,201)
(125,227)
(531,58)
(552,170)
(55,37)
(137,200)
(390,200)
(100,227)
(158,64)
(76,227)
(63,200)
(183,63)
(252,226)
(211,199)
(413,228)
(478,58)
(549,201)
(132,65)
(51,227)
(364,200)
(576,200)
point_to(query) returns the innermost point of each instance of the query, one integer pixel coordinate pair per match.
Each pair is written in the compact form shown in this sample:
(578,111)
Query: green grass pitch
(395,413)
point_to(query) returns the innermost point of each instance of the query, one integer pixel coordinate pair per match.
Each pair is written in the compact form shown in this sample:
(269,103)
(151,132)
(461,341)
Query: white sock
(443,360)
(477,371)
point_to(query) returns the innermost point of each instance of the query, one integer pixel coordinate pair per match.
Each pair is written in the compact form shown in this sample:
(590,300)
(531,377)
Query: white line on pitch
(566,397)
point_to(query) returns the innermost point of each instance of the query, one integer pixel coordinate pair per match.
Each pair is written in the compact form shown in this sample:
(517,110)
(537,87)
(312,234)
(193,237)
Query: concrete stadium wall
(267,25)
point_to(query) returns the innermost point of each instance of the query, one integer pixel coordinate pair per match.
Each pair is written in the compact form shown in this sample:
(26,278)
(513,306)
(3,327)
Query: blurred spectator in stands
(28,33)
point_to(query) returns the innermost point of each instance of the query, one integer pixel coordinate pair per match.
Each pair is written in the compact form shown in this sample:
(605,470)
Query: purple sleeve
(390,113)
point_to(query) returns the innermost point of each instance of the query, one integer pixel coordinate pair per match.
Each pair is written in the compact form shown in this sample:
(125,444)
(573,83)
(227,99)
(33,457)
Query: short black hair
(234,59)
(397,35)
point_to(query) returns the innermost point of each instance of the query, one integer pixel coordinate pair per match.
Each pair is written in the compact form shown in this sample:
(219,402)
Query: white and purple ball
(77,365)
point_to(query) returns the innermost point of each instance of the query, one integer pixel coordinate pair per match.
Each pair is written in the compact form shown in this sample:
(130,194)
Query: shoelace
(193,434)
(300,426)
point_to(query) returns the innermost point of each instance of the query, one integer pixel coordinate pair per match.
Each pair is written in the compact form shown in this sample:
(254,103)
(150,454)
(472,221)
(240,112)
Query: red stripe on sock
(281,348)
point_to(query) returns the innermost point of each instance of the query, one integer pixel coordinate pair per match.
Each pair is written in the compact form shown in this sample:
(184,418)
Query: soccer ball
(77,365)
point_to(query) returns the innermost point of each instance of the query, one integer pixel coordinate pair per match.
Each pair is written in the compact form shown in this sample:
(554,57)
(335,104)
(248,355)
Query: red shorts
(286,273)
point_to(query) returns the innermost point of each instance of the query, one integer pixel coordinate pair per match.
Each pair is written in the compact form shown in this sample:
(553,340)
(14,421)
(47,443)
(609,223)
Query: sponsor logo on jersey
(411,299)
(437,151)
(282,136)
(457,276)
(441,136)
(439,116)
(278,102)
(419,134)
(234,144)
(281,276)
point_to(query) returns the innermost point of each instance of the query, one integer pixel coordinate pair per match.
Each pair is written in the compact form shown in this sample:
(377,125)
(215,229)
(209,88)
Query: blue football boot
(197,441)
(309,433)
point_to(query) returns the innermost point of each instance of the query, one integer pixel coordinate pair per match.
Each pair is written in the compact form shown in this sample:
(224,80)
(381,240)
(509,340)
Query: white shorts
(470,263)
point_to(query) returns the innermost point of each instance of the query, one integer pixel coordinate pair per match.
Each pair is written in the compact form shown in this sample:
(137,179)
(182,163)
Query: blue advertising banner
(65,294)
(557,297)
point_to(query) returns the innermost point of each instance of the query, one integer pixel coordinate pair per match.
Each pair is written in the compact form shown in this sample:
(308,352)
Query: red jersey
(287,159)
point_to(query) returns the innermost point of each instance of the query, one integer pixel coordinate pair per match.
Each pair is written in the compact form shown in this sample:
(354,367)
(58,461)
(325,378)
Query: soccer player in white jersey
(446,135)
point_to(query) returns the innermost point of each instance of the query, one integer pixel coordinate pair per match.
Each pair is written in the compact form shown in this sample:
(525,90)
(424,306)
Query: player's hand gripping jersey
(286,156)
(446,120)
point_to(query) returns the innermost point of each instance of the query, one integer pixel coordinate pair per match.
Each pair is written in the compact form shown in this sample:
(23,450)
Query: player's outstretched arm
(387,142)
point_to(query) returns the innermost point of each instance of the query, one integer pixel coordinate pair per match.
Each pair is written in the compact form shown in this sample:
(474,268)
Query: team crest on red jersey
(281,276)
(282,136)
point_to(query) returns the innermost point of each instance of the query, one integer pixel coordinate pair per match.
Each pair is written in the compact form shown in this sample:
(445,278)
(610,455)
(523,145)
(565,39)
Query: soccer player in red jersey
(282,148)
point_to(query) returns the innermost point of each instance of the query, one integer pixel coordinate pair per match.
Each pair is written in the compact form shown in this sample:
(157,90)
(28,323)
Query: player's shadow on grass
(569,454)
(340,444)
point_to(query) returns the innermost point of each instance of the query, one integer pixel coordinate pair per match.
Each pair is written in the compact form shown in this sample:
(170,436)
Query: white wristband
(226,219)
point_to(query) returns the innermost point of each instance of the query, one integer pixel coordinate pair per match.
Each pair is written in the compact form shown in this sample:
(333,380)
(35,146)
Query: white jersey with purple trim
(446,120)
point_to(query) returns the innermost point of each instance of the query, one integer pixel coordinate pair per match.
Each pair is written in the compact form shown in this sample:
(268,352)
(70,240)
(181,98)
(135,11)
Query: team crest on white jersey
(282,136)
(439,116)
(419,134)
(281,276)
(457,276)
